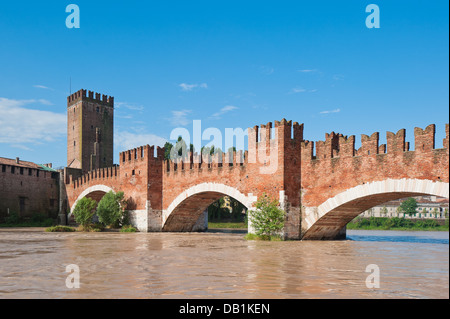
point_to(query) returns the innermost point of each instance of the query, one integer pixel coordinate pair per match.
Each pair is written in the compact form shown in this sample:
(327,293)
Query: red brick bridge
(322,186)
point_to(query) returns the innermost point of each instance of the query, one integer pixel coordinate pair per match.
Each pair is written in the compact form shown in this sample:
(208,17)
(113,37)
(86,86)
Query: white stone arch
(226,190)
(406,186)
(87,191)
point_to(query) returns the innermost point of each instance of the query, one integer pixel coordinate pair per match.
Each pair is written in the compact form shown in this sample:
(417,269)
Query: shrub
(84,211)
(128,229)
(60,228)
(268,218)
(109,210)
(13,218)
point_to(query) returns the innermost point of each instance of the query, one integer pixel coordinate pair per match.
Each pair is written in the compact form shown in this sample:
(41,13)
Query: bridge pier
(146,220)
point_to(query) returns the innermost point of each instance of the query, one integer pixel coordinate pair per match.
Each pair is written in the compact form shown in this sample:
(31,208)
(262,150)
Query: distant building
(428,207)
(27,188)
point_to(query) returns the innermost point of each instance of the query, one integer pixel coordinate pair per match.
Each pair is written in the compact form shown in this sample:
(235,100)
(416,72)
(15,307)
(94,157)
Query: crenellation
(445,140)
(396,142)
(369,145)
(347,146)
(307,150)
(326,149)
(298,131)
(425,139)
(89,96)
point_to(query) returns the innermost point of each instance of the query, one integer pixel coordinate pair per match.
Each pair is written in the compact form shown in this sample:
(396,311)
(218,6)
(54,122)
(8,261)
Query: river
(222,265)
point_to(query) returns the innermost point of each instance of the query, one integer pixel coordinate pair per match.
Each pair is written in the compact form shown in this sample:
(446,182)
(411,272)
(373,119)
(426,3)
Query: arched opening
(95,192)
(227,212)
(189,211)
(337,212)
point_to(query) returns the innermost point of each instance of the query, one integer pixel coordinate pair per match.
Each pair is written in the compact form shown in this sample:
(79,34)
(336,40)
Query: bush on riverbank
(128,229)
(93,227)
(60,228)
(250,236)
(241,225)
(268,218)
(395,223)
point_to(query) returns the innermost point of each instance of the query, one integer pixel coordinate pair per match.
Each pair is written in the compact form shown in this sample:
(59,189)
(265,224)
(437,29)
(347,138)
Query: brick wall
(26,191)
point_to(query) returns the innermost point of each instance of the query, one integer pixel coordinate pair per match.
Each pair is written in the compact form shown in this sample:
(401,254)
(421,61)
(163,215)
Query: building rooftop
(21,163)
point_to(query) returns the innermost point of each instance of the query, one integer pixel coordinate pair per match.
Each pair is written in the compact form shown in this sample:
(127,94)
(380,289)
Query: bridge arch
(328,219)
(184,211)
(96,192)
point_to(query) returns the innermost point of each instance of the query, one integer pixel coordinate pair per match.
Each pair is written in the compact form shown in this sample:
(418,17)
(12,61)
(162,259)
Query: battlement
(90,96)
(282,131)
(337,145)
(103,174)
(140,153)
(195,161)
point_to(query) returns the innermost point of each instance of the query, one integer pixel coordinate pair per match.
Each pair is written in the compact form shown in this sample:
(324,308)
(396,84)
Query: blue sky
(227,63)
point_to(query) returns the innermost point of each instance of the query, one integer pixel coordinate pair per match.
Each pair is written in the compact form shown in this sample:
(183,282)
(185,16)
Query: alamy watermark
(373,19)
(73,19)
(73,279)
(189,149)
(373,280)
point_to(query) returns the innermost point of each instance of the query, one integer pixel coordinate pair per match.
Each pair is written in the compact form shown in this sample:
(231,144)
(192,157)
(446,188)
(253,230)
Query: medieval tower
(90,123)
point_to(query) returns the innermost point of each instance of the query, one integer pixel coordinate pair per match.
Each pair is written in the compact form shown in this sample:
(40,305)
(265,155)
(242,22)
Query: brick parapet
(325,176)
(90,96)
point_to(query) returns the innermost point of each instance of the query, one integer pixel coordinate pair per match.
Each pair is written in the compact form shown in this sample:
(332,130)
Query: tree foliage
(408,206)
(84,211)
(110,209)
(268,219)
(174,151)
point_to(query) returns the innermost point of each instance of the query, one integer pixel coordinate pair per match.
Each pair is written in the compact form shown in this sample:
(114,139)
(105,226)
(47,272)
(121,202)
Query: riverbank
(395,223)
(240,225)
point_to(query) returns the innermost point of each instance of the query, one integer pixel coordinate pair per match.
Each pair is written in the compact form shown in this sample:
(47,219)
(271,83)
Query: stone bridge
(322,186)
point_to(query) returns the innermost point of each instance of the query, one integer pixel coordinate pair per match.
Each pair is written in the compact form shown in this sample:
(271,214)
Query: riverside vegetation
(109,211)
(396,223)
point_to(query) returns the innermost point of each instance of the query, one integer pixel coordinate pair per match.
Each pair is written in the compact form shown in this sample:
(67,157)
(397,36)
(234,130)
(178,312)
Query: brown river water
(221,265)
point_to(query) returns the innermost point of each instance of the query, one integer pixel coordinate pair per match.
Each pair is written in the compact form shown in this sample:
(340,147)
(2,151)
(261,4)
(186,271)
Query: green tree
(110,209)
(408,206)
(172,152)
(268,219)
(84,211)
(167,149)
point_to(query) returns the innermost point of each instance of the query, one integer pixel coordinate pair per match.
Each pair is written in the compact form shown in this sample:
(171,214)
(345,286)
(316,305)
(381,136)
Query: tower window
(98,109)
(74,143)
